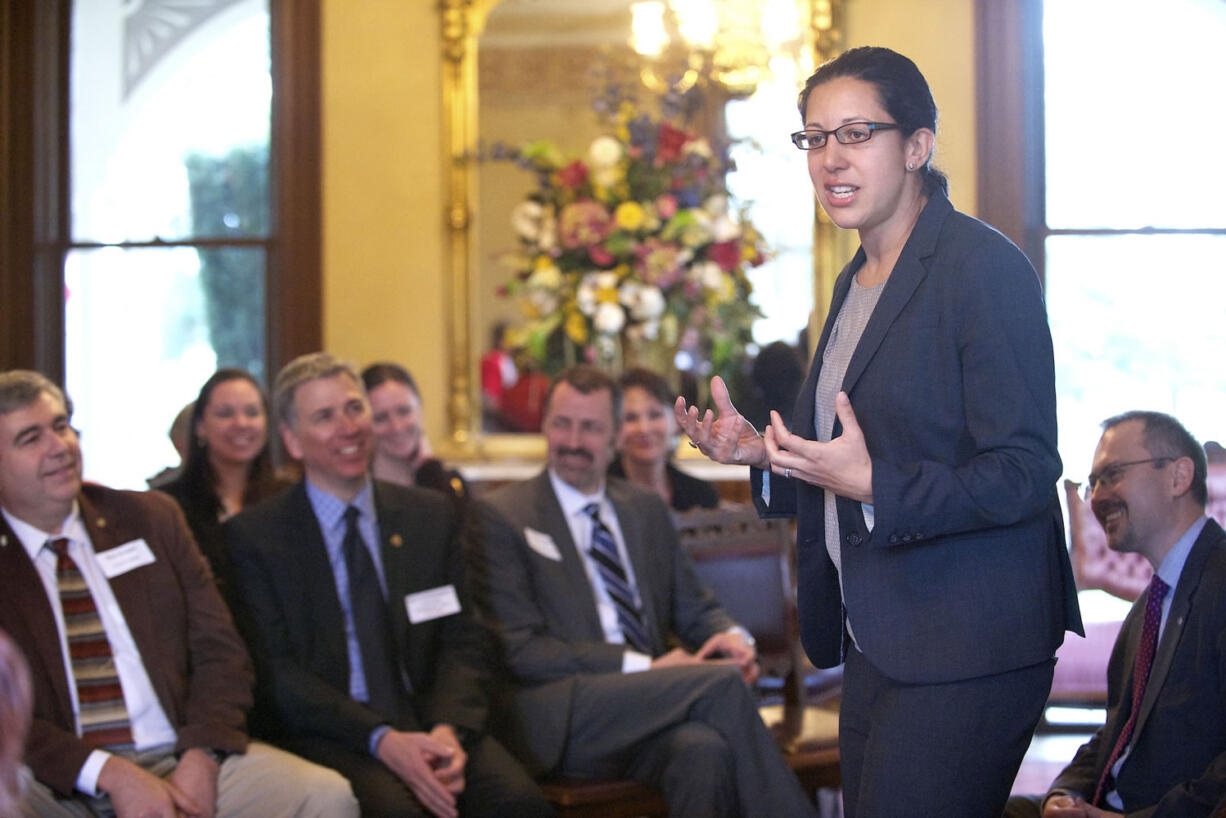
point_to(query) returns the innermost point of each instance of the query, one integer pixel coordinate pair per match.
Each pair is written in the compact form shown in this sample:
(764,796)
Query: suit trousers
(264,782)
(693,732)
(495,784)
(935,749)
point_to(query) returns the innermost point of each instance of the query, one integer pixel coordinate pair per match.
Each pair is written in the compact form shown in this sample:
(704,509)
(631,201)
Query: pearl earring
(910,166)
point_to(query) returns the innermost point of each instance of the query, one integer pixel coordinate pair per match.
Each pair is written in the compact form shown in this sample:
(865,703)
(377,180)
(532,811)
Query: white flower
(604,152)
(649,304)
(526,219)
(708,274)
(609,318)
(716,205)
(723,228)
(543,301)
(606,177)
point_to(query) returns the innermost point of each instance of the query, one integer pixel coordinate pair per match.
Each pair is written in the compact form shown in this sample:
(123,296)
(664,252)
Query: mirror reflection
(553,79)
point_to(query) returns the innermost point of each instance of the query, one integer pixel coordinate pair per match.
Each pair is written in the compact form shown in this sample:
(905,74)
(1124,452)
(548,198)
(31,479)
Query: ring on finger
(693,445)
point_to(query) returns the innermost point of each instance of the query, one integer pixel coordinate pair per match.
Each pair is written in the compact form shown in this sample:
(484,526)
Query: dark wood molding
(33,145)
(295,271)
(1009,127)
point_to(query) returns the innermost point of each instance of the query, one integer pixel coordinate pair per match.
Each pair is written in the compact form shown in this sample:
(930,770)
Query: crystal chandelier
(735,44)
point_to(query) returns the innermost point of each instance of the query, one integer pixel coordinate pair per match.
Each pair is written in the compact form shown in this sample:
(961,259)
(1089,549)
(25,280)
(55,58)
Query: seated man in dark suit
(1162,751)
(353,598)
(141,683)
(588,587)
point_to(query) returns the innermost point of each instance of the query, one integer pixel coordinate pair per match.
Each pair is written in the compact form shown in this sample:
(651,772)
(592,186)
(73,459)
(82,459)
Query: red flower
(727,254)
(671,141)
(599,255)
(573,175)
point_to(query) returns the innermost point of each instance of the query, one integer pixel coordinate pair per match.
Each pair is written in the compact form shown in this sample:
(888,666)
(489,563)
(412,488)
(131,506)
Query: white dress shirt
(150,727)
(573,503)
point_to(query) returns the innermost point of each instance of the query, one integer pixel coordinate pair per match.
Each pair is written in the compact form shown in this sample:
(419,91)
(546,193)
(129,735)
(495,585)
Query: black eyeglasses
(1108,476)
(852,133)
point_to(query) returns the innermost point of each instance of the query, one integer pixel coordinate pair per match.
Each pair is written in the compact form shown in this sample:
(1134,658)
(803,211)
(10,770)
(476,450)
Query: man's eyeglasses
(1108,476)
(852,133)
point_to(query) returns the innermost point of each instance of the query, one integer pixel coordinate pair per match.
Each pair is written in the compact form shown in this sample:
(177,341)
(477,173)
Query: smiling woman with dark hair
(646,440)
(228,464)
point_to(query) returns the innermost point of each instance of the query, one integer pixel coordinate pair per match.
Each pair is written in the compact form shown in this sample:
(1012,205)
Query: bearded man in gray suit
(589,590)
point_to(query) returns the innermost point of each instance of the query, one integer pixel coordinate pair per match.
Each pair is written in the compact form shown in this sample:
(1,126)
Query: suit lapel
(574,570)
(131,588)
(1185,592)
(906,276)
(26,596)
(803,422)
(305,549)
(395,525)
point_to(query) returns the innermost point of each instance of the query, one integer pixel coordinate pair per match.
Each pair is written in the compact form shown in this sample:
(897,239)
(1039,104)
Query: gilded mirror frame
(462,24)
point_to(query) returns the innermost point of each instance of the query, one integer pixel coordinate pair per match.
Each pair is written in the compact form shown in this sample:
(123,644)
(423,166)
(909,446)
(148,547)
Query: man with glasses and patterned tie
(1162,751)
(586,584)
(141,683)
(352,596)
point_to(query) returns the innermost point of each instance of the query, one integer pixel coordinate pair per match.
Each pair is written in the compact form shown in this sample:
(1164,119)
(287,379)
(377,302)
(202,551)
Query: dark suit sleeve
(302,702)
(782,496)
(503,587)
(1003,462)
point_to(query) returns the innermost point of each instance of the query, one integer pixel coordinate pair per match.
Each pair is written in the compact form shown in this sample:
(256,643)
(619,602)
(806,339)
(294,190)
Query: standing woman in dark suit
(228,464)
(929,534)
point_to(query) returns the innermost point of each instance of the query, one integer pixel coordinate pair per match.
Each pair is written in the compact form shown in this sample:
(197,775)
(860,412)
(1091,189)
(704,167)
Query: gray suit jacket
(545,612)
(1177,765)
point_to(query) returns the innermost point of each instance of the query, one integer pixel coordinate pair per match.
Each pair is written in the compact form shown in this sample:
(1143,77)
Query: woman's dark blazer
(965,572)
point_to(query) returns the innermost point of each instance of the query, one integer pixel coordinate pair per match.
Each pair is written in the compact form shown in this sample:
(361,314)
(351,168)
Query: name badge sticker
(123,558)
(432,604)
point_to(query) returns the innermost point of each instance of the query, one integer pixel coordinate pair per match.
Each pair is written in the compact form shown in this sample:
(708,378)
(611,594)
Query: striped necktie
(1140,675)
(104,716)
(616,582)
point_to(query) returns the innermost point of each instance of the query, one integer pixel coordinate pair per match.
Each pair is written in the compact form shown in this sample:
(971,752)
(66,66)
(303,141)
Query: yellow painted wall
(939,35)
(383,243)
(385,291)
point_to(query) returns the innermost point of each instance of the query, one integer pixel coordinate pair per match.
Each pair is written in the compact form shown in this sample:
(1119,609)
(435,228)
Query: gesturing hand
(725,435)
(842,465)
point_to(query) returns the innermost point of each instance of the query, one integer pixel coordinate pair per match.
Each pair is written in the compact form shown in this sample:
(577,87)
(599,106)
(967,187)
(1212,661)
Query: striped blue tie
(613,574)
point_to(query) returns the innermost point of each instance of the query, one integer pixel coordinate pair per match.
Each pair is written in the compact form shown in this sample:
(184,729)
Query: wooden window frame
(34,204)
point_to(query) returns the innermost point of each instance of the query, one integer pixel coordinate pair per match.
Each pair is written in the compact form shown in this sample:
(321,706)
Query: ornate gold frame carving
(462,22)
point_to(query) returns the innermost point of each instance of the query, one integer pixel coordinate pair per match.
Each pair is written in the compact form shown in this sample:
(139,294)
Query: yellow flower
(629,216)
(576,327)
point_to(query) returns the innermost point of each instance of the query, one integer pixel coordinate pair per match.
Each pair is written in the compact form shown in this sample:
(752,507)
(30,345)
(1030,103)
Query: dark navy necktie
(370,621)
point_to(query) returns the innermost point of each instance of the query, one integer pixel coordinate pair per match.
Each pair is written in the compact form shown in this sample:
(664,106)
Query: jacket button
(893,539)
(854,539)
(906,538)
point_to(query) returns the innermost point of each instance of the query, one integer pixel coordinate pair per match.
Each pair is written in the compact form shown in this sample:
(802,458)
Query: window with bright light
(772,182)
(1135,247)
(170,218)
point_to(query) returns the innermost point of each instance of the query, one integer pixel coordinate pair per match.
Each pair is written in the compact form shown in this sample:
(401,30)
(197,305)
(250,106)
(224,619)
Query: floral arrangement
(631,254)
